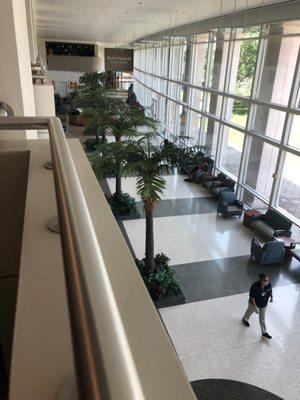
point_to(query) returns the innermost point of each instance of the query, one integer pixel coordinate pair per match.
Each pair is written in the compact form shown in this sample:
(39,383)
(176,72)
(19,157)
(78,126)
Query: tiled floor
(211,258)
(191,238)
(176,188)
(211,342)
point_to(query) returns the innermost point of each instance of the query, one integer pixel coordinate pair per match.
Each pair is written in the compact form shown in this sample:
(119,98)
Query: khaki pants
(262,315)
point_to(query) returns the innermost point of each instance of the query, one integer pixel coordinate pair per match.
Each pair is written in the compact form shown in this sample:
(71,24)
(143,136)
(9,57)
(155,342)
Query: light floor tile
(176,188)
(204,367)
(192,238)
(234,351)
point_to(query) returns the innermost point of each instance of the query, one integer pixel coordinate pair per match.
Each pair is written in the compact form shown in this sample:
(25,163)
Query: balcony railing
(103,352)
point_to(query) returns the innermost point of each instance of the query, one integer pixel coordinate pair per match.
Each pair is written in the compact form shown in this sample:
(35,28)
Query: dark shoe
(246,323)
(267,336)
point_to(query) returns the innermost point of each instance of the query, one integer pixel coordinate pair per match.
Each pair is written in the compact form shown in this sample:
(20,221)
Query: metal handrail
(93,342)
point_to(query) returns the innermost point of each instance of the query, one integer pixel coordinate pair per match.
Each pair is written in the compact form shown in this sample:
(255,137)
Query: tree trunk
(97,135)
(149,243)
(118,192)
(118,176)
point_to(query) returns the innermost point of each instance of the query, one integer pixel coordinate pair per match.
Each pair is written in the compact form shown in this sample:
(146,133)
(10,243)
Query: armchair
(229,205)
(209,180)
(224,185)
(267,253)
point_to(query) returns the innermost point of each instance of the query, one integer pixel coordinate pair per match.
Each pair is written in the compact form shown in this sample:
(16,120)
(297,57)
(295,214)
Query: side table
(289,246)
(289,243)
(248,216)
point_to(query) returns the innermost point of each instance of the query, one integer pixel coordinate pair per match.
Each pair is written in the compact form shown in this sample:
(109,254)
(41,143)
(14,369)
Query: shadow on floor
(224,389)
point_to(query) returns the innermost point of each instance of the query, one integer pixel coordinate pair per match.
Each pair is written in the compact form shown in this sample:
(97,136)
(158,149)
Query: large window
(279,61)
(210,130)
(268,121)
(200,62)
(289,192)
(236,112)
(183,114)
(231,151)
(261,165)
(194,127)
(197,99)
(218,64)
(236,91)
(243,66)
(294,139)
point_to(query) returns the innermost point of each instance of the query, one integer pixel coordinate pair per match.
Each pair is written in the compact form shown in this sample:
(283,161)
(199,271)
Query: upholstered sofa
(271,224)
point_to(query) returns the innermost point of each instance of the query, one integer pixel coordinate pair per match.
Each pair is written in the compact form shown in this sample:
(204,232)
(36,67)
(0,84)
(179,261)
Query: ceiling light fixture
(141,3)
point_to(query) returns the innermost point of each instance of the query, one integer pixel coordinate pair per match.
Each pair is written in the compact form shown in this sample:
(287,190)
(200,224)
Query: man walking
(260,293)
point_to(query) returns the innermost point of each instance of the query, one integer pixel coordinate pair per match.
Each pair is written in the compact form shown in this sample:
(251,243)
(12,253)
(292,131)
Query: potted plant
(162,283)
(179,154)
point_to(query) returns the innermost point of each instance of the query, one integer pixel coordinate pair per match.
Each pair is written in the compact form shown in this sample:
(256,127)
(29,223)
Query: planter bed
(170,301)
(128,217)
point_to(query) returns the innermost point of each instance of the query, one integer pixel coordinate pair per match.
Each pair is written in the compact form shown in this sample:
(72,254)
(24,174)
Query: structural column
(16,86)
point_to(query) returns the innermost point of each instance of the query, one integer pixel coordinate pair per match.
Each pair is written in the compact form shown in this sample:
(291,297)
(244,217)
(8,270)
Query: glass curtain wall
(236,91)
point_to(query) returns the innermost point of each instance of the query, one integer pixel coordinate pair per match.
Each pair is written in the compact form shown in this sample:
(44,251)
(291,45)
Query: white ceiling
(122,21)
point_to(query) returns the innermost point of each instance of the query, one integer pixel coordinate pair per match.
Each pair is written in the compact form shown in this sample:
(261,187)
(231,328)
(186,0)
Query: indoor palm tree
(110,159)
(138,157)
(148,164)
(91,97)
(124,125)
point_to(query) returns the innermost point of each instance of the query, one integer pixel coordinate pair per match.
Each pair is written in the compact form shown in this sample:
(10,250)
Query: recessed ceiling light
(141,3)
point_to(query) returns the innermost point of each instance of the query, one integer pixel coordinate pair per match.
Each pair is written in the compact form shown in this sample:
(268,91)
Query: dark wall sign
(118,60)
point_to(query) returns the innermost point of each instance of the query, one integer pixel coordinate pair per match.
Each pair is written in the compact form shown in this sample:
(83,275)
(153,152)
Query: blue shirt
(261,295)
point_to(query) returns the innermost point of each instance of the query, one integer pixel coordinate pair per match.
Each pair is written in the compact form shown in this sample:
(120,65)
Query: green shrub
(90,144)
(90,129)
(163,281)
(124,207)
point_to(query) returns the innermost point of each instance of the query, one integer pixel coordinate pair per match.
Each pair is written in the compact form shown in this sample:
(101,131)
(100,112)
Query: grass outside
(236,138)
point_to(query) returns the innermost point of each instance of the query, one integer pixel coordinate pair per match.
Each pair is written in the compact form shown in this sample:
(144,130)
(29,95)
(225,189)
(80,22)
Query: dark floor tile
(223,389)
(172,207)
(229,276)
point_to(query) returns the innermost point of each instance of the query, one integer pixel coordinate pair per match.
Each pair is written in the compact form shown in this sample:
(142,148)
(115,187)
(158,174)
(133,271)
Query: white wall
(58,77)
(15,72)
(66,76)
(44,100)
(16,86)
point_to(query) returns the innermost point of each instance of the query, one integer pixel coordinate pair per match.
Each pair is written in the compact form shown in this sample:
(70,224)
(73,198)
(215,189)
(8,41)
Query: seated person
(199,167)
